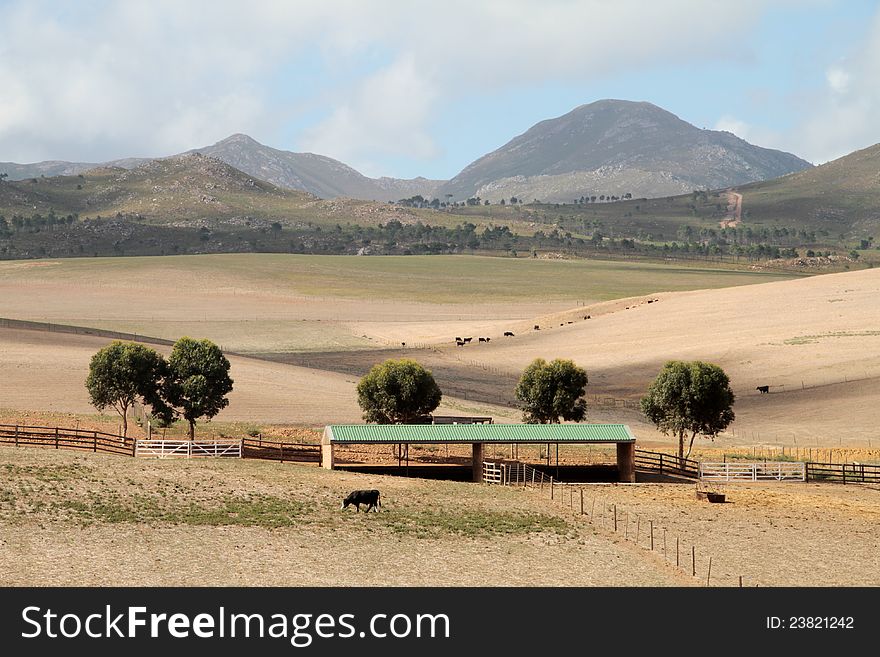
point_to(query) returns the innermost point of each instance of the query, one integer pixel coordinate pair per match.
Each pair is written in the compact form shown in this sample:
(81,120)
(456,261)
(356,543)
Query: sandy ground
(780,534)
(44,542)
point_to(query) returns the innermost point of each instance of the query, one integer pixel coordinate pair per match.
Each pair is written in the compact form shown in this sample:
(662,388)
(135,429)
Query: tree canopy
(550,391)
(198,380)
(123,372)
(397,392)
(690,398)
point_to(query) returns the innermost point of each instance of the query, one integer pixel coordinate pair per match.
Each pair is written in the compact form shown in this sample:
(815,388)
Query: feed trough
(711,496)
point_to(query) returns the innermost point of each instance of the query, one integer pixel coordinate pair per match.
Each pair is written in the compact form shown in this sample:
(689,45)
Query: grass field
(92,519)
(289,303)
(71,519)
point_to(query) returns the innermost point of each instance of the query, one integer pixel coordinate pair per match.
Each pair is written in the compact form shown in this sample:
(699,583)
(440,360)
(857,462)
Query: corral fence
(513,473)
(273,450)
(98,441)
(59,438)
(667,464)
(753,471)
(160,448)
(844,473)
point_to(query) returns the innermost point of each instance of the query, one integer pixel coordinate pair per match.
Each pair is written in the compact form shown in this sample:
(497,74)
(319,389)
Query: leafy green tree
(198,380)
(397,392)
(123,372)
(690,398)
(550,391)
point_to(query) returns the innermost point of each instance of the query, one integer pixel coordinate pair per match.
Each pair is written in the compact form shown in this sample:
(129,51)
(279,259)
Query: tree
(198,380)
(690,397)
(123,372)
(397,392)
(549,391)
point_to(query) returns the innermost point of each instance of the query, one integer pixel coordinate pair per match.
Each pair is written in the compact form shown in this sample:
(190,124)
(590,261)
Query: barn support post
(327,455)
(477,462)
(626,463)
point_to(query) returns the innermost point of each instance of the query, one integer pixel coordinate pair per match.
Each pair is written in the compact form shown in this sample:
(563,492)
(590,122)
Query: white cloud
(838,80)
(98,80)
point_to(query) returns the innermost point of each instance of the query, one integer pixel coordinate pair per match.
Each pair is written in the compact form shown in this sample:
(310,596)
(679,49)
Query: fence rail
(273,450)
(666,464)
(753,471)
(846,473)
(187,448)
(62,438)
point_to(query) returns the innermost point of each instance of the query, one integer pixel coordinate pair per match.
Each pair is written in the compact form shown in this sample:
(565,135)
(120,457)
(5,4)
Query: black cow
(467,339)
(457,339)
(368,497)
(508,334)
(537,328)
(763,389)
(586,317)
(459,343)
(403,344)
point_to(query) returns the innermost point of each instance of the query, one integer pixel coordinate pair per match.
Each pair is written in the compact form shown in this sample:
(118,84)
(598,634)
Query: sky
(421,88)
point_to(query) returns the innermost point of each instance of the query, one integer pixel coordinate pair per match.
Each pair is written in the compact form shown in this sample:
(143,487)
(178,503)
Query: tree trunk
(691,446)
(192,429)
(681,448)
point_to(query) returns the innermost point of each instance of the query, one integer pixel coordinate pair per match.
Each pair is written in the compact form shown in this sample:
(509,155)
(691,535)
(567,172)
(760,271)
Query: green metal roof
(480,433)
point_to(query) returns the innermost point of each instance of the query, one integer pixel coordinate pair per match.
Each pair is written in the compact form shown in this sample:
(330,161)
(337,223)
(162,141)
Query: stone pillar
(327,461)
(477,462)
(626,462)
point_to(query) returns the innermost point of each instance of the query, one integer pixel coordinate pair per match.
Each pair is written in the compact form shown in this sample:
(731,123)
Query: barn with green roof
(481,435)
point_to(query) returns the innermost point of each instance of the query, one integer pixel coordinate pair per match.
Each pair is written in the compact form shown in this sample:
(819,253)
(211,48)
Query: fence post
(615,518)
(661,462)
(282,452)
(56,444)
(551,487)
(95,441)
(709,571)
(693,560)
(16,435)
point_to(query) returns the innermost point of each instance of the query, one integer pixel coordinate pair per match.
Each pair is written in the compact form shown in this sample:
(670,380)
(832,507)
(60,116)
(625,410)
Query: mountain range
(609,147)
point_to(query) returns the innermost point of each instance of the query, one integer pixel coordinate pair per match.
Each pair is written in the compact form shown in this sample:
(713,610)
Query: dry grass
(782,534)
(74,519)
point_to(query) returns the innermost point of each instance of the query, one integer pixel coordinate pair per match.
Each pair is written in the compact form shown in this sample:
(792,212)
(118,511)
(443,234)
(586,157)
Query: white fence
(753,471)
(187,448)
(492,473)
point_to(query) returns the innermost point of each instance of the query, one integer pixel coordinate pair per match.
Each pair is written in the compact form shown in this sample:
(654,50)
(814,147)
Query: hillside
(617,147)
(840,197)
(318,175)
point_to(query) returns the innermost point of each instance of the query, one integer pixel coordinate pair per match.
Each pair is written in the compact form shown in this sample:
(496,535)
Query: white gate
(186,448)
(492,473)
(754,471)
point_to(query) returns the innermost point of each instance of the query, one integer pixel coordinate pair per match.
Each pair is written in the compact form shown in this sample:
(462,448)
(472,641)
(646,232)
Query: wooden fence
(844,473)
(62,438)
(273,450)
(753,471)
(187,448)
(666,464)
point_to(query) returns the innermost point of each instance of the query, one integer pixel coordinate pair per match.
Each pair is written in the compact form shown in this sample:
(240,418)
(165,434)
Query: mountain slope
(840,197)
(322,176)
(614,147)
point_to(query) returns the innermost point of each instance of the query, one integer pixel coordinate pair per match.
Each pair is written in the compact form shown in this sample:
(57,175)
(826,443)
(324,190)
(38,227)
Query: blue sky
(423,88)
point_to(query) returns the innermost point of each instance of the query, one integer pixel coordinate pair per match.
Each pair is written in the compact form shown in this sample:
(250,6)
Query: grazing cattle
(508,334)
(467,339)
(537,328)
(459,343)
(481,339)
(650,301)
(403,344)
(368,497)
(457,339)
(586,317)
(763,389)
(569,322)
